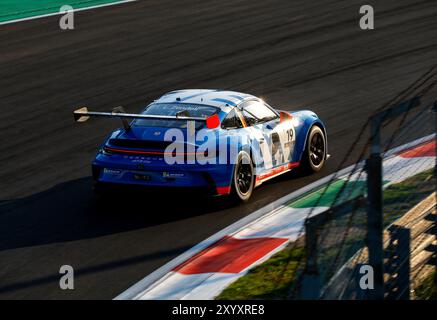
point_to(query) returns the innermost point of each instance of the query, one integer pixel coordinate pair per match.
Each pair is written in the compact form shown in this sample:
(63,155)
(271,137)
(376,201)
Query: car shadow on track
(70,211)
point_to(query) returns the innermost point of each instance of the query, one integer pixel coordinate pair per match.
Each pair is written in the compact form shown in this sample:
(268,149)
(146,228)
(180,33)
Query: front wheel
(243,177)
(314,156)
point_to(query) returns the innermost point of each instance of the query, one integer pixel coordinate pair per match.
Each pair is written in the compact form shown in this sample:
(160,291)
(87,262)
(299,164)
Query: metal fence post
(311,286)
(374,216)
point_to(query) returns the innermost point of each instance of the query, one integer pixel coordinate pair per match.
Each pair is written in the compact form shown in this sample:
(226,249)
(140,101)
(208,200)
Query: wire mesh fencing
(381,214)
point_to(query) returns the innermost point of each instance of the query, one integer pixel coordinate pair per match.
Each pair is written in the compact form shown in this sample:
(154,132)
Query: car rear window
(173,109)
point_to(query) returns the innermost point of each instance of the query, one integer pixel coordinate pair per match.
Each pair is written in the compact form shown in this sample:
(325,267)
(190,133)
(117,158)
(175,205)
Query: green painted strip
(325,196)
(19,9)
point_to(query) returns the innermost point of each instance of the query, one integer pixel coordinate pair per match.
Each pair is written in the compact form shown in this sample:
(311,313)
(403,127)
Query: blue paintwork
(309,119)
(121,168)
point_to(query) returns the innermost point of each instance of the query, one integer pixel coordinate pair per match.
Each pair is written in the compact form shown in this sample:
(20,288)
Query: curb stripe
(234,254)
(280,220)
(61,13)
(426,149)
(325,196)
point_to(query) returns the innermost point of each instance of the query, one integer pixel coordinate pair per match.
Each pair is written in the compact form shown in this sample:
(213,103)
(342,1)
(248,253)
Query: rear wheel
(243,177)
(314,156)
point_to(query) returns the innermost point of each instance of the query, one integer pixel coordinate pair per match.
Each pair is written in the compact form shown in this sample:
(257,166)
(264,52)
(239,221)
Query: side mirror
(285,116)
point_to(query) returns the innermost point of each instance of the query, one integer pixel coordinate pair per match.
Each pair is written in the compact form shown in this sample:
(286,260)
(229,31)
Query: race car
(220,142)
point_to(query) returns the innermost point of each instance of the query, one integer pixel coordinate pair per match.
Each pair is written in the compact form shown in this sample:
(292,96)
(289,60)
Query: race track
(295,54)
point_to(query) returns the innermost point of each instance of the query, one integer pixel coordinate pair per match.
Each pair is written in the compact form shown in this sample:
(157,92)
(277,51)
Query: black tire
(243,179)
(314,156)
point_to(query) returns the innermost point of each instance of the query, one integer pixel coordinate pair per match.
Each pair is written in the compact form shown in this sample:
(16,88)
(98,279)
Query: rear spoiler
(82,115)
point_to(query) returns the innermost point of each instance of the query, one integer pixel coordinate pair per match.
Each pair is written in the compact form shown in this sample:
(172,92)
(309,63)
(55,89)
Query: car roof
(216,98)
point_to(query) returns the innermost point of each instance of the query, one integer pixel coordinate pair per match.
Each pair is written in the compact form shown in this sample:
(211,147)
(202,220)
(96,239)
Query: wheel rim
(317,149)
(243,177)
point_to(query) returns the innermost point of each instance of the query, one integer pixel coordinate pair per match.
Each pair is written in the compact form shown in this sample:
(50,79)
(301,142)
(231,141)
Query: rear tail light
(106,152)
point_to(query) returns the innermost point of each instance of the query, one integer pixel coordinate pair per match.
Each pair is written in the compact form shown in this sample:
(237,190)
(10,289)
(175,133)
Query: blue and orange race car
(222,142)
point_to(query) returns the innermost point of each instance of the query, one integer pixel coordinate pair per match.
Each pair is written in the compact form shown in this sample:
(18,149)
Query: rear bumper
(124,172)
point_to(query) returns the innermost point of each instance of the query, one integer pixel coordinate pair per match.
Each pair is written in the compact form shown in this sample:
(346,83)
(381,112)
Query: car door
(275,137)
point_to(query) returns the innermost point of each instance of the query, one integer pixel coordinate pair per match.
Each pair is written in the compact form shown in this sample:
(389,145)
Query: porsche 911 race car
(222,142)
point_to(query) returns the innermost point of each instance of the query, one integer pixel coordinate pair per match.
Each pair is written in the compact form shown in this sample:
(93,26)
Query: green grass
(401,197)
(270,280)
(275,278)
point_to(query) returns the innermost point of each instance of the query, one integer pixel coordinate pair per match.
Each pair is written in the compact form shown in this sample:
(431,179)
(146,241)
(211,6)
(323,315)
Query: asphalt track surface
(295,54)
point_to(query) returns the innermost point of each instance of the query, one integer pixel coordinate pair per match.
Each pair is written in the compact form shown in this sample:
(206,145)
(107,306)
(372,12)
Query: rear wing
(82,115)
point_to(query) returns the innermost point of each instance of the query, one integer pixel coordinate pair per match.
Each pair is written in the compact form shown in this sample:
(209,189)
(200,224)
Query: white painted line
(75,10)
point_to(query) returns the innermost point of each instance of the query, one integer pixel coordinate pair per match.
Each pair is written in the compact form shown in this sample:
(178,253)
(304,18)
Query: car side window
(232,121)
(257,112)
(249,118)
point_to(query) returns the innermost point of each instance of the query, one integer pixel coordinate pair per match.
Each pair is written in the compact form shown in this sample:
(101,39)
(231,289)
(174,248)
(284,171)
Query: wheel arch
(310,119)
